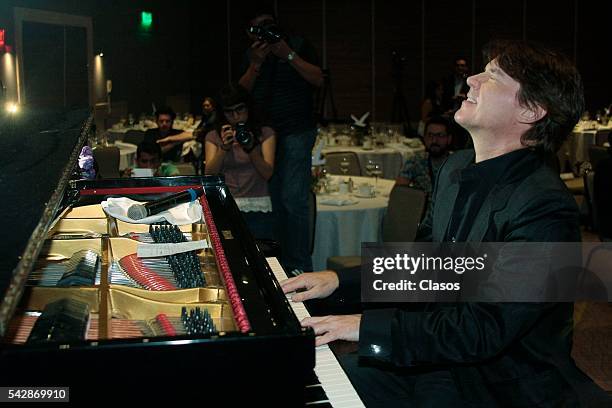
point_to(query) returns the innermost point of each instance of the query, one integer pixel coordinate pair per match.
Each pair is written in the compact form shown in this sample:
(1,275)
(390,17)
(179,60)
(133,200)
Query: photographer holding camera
(243,151)
(281,71)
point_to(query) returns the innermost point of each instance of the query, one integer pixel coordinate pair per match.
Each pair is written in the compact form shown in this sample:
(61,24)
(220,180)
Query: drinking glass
(369,167)
(376,171)
(344,165)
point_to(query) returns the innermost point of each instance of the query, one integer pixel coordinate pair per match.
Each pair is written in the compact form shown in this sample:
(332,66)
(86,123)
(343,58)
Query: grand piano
(74,314)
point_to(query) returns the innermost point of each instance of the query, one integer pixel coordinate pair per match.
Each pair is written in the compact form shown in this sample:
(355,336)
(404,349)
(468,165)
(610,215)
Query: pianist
(523,105)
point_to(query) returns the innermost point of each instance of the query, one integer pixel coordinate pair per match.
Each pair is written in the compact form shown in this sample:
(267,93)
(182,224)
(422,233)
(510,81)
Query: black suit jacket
(499,354)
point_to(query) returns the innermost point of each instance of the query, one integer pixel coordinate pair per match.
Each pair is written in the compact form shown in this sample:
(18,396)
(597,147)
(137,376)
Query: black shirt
(285,97)
(475,183)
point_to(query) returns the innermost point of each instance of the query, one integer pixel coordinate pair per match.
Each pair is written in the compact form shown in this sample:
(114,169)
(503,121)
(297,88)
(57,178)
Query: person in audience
(282,76)
(419,170)
(524,104)
(455,85)
(149,156)
(246,158)
(165,134)
(209,115)
(209,119)
(455,91)
(433,103)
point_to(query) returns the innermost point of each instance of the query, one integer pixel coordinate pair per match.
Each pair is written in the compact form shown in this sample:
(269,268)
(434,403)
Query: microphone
(140,211)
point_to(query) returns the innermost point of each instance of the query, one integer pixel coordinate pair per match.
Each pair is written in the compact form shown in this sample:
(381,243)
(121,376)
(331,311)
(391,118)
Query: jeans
(289,189)
(260,224)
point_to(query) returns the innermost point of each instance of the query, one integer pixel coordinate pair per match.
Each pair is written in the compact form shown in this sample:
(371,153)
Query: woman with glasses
(243,151)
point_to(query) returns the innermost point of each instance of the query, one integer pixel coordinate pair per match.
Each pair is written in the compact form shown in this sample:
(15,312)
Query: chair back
(333,160)
(312,218)
(405,210)
(107,159)
(134,137)
(186,169)
(601,137)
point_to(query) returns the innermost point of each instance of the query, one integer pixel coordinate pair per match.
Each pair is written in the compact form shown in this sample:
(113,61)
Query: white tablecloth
(340,230)
(391,157)
(127,154)
(577,147)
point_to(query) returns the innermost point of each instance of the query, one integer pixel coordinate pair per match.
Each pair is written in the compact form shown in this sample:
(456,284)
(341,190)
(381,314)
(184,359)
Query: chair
(333,160)
(596,154)
(405,210)
(400,224)
(107,159)
(186,169)
(602,137)
(134,137)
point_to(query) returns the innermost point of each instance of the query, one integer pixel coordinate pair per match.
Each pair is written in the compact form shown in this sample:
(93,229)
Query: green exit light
(146,19)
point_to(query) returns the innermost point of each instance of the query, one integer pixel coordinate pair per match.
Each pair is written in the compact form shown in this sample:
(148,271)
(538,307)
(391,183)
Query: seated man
(171,148)
(148,156)
(479,354)
(420,170)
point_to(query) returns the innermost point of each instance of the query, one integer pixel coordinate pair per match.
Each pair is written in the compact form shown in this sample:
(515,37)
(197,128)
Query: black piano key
(313,394)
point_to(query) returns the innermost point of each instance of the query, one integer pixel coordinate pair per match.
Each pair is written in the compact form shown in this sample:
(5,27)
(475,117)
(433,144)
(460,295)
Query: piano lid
(38,153)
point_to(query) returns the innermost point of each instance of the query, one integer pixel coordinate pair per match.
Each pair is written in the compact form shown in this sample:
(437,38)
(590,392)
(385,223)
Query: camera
(244,136)
(269,33)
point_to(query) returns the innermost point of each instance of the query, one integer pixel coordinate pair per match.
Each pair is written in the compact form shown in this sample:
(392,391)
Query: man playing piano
(522,107)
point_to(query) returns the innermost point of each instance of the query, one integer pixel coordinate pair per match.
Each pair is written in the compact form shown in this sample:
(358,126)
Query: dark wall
(197,46)
(355,40)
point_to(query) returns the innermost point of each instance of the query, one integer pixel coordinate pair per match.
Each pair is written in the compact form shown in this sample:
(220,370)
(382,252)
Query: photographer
(243,151)
(281,71)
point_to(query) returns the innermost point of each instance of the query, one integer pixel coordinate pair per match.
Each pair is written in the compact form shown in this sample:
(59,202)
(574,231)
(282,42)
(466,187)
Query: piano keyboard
(338,390)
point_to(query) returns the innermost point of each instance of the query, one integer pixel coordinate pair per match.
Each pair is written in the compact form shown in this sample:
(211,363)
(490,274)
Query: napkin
(186,213)
(338,201)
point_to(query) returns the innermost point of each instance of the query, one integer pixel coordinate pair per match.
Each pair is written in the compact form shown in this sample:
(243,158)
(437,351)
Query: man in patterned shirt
(419,170)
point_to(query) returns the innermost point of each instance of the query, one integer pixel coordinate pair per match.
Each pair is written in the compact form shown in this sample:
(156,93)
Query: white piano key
(336,384)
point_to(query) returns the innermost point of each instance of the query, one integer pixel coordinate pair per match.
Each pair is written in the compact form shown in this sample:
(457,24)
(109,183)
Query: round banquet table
(340,229)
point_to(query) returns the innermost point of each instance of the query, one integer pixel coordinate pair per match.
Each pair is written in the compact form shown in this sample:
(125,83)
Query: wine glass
(376,171)
(345,165)
(369,167)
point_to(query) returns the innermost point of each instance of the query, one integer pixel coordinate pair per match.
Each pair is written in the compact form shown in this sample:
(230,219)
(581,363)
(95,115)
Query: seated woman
(246,158)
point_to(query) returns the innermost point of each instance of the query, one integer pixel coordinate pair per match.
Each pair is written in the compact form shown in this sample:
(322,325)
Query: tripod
(326,92)
(399,111)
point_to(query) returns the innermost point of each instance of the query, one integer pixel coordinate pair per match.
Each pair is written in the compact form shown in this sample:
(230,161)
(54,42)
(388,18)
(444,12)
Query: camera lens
(243,134)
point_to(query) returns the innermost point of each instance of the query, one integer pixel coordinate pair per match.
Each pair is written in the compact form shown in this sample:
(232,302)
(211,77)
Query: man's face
(492,104)
(207,107)
(436,139)
(164,122)
(461,67)
(148,161)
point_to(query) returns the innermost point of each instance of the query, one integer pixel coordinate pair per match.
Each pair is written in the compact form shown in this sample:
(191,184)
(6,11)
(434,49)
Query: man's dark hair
(165,110)
(438,120)
(547,79)
(149,147)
